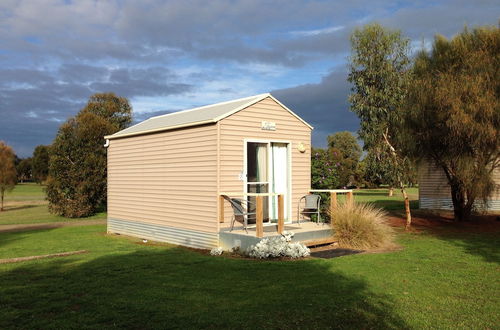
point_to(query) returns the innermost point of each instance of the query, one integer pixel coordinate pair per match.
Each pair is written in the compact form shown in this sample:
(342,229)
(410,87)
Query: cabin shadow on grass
(176,288)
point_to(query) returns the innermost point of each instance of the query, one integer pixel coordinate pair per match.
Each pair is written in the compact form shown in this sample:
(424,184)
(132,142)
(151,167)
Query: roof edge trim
(210,105)
(161,129)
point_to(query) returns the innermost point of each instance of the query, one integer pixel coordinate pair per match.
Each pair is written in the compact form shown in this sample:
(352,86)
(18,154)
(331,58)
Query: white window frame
(288,199)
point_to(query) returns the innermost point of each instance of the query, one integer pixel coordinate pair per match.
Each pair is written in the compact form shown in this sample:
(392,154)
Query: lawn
(436,281)
(26,204)
(440,279)
(380,198)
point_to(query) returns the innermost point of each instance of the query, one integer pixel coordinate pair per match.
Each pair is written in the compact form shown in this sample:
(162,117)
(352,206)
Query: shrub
(324,170)
(361,226)
(216,251)
(275,247)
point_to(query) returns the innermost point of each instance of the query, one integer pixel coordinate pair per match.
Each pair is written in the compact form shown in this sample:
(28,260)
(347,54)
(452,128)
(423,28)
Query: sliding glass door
(267,171)
(279,176)
(257,173)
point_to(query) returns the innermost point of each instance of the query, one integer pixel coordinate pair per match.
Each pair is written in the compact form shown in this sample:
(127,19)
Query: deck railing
(333,196)
(259,210)
(259,205)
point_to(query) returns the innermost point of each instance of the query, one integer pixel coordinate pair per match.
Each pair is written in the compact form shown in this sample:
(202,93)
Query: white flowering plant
(216,251)
(281,246)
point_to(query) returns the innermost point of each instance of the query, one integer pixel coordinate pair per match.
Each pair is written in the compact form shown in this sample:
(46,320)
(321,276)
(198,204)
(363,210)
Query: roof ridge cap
(213,104)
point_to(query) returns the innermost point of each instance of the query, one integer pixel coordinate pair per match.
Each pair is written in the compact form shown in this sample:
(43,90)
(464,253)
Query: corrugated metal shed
(197,116)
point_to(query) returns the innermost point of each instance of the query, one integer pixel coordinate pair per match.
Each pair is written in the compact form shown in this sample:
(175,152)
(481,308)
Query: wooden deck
(309,233)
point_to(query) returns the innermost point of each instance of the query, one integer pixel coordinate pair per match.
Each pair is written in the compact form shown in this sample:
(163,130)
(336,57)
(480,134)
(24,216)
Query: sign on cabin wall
(268,126)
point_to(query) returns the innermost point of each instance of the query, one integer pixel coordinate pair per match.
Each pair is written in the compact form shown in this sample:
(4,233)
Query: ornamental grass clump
(276,247)
(361,226)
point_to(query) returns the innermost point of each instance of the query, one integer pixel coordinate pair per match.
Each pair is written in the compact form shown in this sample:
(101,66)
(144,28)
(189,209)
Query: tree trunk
(391,192)
(407,207)
(1,197)
(401,184)
(462,208)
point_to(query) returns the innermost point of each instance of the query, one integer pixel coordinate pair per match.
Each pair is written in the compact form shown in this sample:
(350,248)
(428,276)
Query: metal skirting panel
(179,236)
(229,240)
(446,204)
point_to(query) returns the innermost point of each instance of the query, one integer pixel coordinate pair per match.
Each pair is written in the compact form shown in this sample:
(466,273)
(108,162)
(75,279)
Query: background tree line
(343,165)
(439,106)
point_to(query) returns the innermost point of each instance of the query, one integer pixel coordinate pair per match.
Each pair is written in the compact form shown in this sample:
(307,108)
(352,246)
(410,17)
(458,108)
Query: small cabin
(434,191)
(166,174)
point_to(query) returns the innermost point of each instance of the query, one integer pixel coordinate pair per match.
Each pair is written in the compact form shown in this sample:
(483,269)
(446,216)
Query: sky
(167,56)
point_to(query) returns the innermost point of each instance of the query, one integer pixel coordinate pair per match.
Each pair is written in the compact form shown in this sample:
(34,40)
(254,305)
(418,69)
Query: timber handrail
(248,194)
(333,196)
(259,221)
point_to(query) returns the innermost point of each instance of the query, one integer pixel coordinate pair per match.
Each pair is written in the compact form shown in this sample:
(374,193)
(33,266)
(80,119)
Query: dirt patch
(54,255)
(11,204)
(443,222)
(333,253)
(333,250)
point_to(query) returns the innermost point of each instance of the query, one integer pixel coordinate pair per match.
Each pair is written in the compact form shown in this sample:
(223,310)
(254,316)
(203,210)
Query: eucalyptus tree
(380,75)
(76,185)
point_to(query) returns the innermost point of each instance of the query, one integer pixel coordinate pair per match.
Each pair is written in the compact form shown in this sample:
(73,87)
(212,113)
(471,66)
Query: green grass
(26,191)
(26,214)
(26,204)
(448,281)
(380,198)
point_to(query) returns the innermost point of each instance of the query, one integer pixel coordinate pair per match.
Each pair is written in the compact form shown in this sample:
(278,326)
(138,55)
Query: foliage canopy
(25,169)
(453,113)
(8,175)
(380,76)
(345,153)
(76,186)
(40,163)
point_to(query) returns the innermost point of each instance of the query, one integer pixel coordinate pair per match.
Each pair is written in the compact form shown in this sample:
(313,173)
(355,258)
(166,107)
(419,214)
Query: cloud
(315,32)
(33,102)
(179,54)
(141,82)
(323,105)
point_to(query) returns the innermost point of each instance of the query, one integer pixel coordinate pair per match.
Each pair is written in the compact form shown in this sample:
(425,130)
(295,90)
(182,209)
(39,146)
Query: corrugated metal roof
(197,116)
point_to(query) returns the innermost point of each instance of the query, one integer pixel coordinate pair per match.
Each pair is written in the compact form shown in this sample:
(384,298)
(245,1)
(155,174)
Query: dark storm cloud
(55,54)
(33,103)
(240,31)
(323,105)
(141,82)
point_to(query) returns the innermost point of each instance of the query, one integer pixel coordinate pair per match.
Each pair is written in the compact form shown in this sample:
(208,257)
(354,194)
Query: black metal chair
(311,206)
(241,211)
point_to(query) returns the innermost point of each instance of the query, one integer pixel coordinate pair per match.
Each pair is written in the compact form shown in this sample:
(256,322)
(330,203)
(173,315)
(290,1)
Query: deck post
(281,216)
(333,202)
(221,209)
(350,199)
(259,226)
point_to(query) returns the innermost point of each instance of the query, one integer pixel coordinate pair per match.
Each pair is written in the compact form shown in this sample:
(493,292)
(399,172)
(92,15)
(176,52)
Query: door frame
(288,200)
